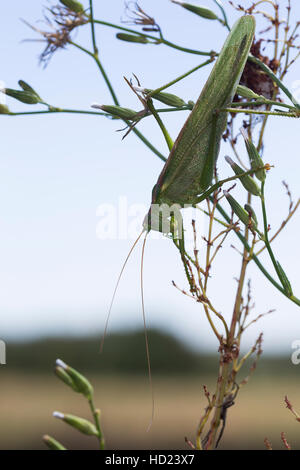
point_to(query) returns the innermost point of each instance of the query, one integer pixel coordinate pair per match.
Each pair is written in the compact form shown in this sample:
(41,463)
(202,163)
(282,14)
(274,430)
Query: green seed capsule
(242,214)
(132,38)
(52,443)
(23,96)
(284,280)
(254,157)
(200,11)
(28,88)
(4,109)
(76,380)
(246,180)
(72,5)
(83,425)
(118,111)
(251,212)
(167,98)
(245,92)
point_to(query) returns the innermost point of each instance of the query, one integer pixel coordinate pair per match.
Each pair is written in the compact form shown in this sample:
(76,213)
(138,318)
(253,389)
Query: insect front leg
(209,167)
(219,184)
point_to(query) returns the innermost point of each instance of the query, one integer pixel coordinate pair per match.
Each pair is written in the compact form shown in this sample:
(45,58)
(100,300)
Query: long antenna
(115,291)
(145,331)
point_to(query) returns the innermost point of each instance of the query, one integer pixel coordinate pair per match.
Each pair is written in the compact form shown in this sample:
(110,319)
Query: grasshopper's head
(155,220)
(164,219)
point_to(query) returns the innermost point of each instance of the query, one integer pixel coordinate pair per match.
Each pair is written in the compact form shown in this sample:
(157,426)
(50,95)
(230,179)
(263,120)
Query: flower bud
(83,425)
(52,443)
(132,38)
(167,98)
(23,96)
(251,212)
(65,377)
(28,88)
(255,159)
(201,11)
(4,109)
(118,111)
(245,92)
(73,5)
(284,280)
(80,383)
(246,180)
(242,214)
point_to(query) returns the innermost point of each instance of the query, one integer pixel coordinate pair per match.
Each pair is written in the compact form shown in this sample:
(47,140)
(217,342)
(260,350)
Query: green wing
(189,169)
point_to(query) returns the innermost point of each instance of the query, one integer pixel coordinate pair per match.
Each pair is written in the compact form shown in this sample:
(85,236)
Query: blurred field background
(30,393)
(57,275)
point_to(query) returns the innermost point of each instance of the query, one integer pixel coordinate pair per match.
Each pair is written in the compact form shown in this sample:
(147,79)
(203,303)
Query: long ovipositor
(189,169)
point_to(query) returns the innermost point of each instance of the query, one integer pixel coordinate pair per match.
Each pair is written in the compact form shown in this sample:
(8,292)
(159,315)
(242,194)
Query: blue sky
(56,276)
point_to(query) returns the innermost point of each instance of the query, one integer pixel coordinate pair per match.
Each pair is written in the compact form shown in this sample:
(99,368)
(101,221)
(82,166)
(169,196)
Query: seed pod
(83,425)
(52,443)
(167,98)
(73,5)
(242,214)
(200,11)
(132,38)
(245,92)
(4,109)
(27,87)
(81,384)
(246,180)
(255,159)
(118,111)
(284,280)
(251,212)
(23,96)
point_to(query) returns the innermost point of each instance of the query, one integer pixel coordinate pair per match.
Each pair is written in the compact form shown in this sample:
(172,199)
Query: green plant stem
(166,134)
(95,414)
(272,75)
(54,110)
(148,144)
(215,218)
(266,230)
(256,259)
(101,68)
(265,113)
(239,294)
(181,77)
(57,110)
(225,22)
(171,110)
(93,29)
(95,113)
(261,102)
(161,40)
